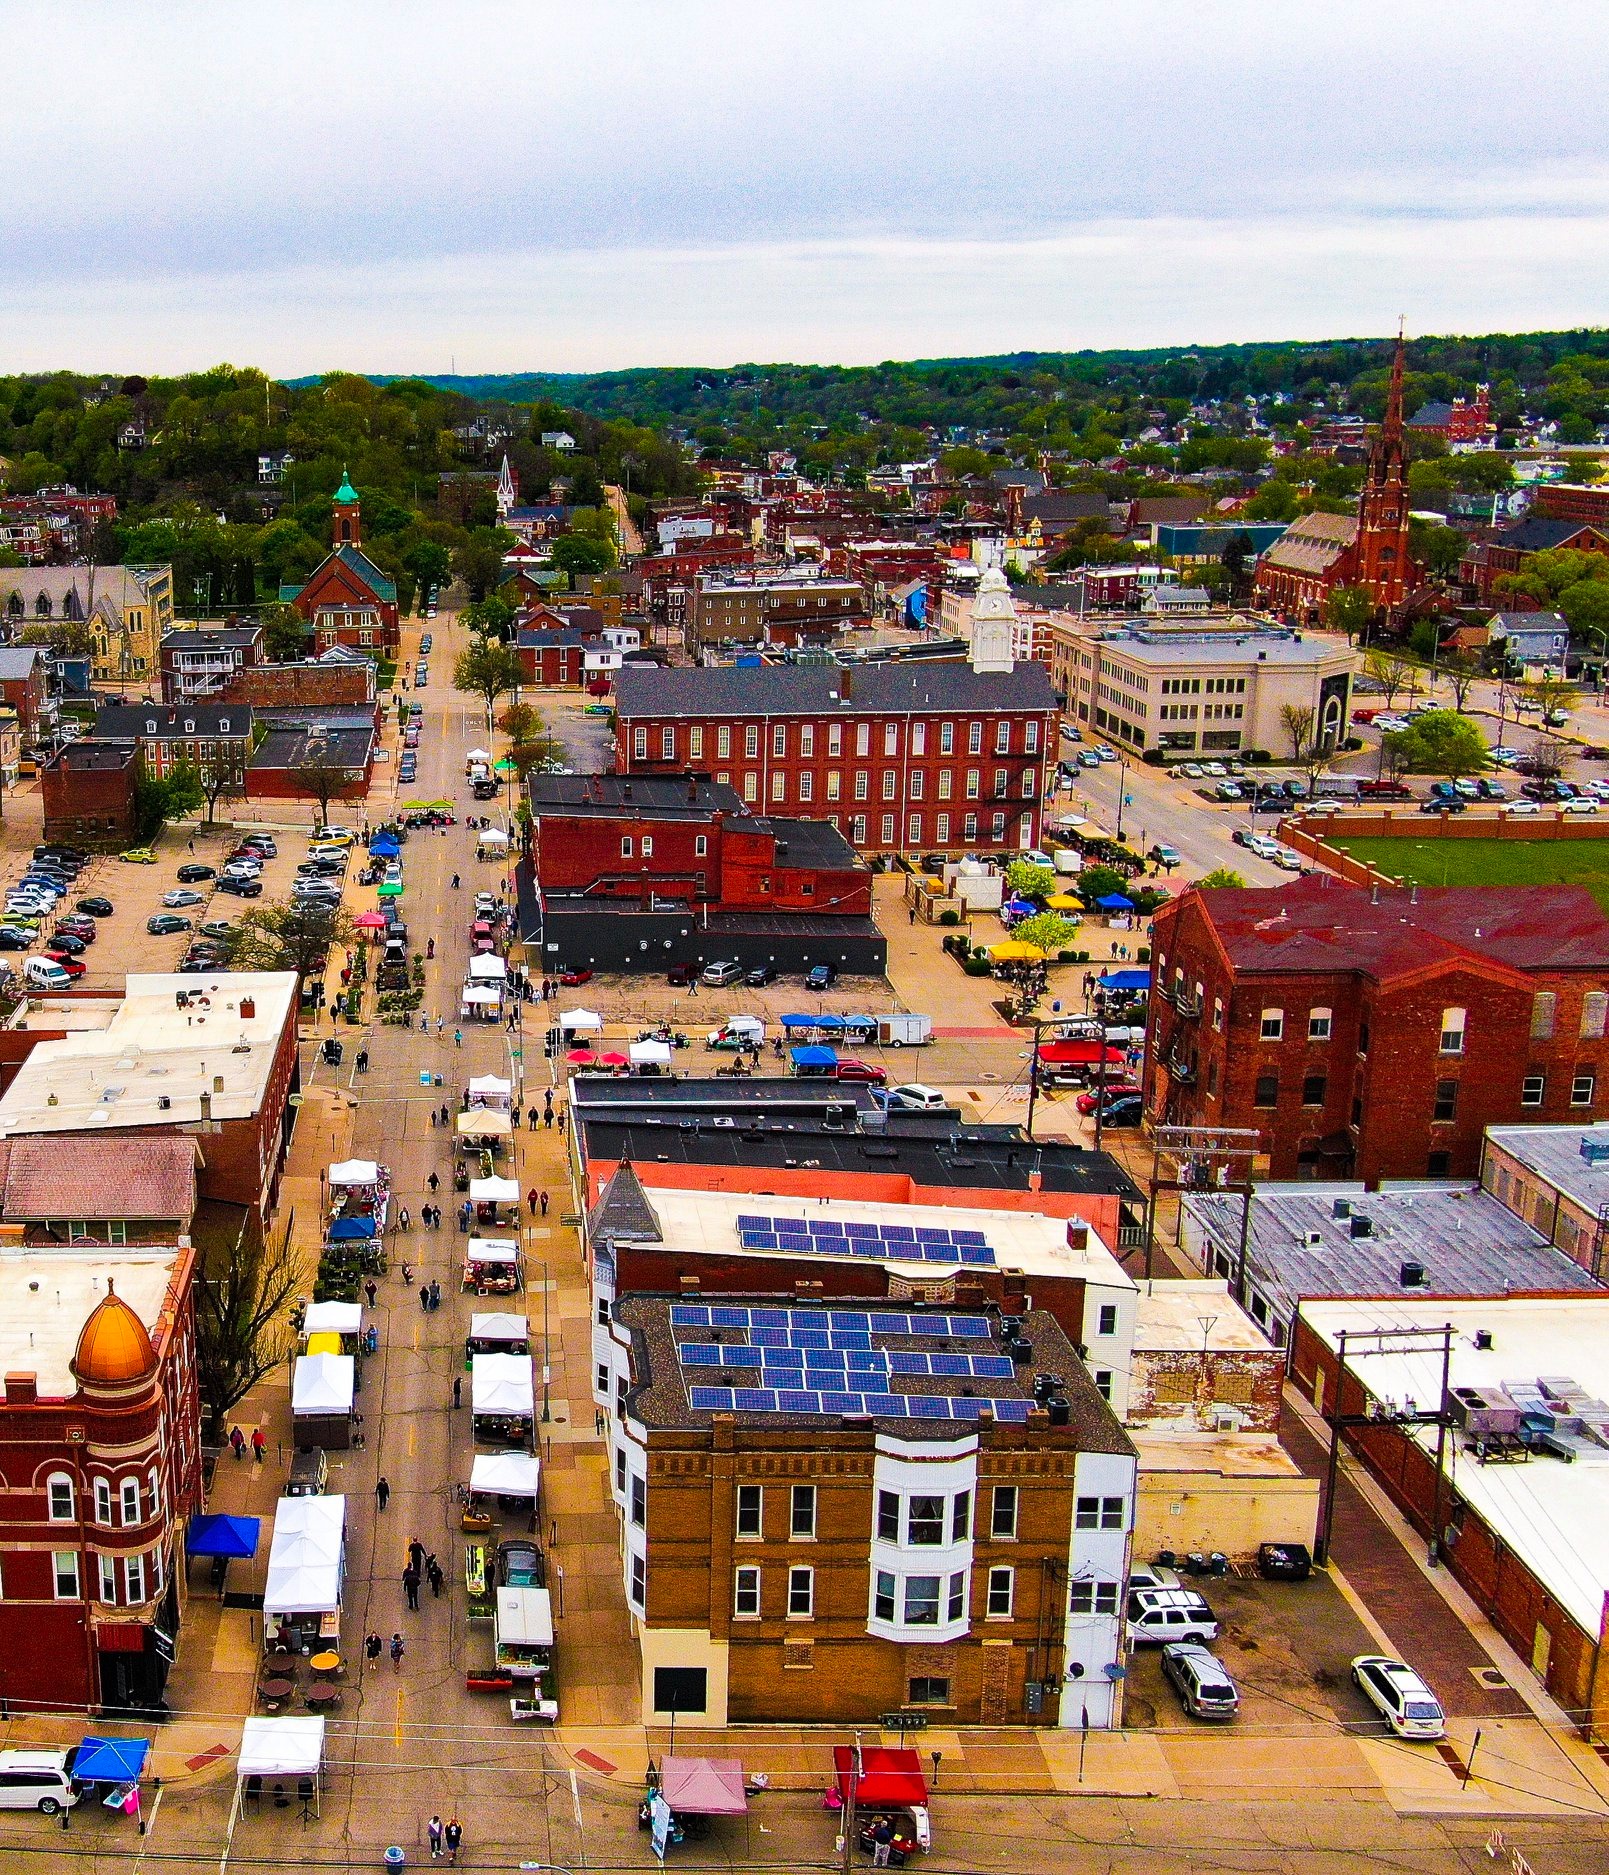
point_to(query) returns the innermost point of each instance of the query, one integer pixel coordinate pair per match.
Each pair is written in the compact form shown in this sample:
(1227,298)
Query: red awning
(889,1779)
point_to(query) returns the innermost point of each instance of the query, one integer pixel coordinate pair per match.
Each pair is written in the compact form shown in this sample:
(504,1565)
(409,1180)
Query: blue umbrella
(384,847)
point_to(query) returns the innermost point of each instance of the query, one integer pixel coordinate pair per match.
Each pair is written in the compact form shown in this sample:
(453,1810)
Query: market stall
(650,1057)
(344,1320)
(221,1540)
(492,1266)
(512,1478)
(306,1573)
(276,1750)
(490,1090)
(883,1780)
(110,1769)
(491,843)
(581,1022)
(492,1333)
(322,1391)
(487,970)
(502,1395)
(813,1059)
(491,1196)
(480,1002)
(702,1787)
(525,1639)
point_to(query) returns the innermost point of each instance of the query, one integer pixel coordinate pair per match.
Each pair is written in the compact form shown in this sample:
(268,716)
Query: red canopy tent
(1079,1054)
(890,1778)
(704,1786)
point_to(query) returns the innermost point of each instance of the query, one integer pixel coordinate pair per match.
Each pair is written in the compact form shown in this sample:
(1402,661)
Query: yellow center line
(398,1732)
(413,1438)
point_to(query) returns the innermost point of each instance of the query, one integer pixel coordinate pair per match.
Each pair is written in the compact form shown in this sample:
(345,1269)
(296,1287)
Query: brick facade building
(763,608)
(88,789)
(899,757)
(347,599)
(1370,1034)
(213,738)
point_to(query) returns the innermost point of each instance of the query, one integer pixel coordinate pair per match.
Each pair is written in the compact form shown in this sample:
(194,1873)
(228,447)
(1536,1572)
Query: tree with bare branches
(243,1289)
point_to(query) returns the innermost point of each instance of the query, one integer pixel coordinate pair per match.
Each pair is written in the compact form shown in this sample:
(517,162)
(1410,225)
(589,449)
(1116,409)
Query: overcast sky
(409,185)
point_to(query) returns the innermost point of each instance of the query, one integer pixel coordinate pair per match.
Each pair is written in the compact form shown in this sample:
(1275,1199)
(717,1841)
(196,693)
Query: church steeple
(347,527)
(1382,565)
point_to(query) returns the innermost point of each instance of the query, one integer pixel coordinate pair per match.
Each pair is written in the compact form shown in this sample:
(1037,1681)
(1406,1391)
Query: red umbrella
(614,1061)
(579,1057)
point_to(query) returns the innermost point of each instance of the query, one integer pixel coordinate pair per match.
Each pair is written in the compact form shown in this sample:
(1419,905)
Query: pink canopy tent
(704,1786)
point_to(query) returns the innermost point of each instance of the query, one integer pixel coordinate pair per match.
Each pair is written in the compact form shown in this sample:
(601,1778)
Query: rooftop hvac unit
(1411,1275)
(1341,1207)
(1361,1226)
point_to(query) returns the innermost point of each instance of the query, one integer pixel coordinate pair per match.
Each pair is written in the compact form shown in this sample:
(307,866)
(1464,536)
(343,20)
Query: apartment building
(771,608)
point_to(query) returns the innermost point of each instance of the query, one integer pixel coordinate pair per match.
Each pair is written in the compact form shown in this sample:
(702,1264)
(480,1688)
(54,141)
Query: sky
(428,185)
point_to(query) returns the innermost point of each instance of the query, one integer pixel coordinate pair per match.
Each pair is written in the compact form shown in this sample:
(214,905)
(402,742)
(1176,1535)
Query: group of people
(374,1646)
(421,1566)
(445,1838)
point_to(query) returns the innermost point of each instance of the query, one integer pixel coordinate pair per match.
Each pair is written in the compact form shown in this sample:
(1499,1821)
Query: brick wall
(303,686)
(1183,1386)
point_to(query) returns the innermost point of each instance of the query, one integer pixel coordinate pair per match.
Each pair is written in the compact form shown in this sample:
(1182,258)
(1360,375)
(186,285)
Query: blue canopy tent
(383,846)
(1020,908)
(814,1060)
(1126,982)
(801,1022)
(117,1763)
(1115,901)
(233,1538)
(344,1229)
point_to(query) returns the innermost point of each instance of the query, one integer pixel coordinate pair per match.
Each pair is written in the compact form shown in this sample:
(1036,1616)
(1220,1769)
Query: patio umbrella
(580,1057)
(504,767)
(1014,951)
(1063,901)
(614,1060)
(371,921)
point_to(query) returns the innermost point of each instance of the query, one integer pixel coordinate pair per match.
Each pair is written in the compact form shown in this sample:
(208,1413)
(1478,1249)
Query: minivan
(40,973)
(1159,1615)
(719,975)
(36,1780)
(914,1094)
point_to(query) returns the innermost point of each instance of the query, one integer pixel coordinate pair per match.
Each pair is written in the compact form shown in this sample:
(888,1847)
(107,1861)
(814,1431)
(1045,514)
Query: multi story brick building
(347,599)
(913,756)
(88,788)
(770,608)
(1509,549)
(127,609)
(1376,1034)
(213,738)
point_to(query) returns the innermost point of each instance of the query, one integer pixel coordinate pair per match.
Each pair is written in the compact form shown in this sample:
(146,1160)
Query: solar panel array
(825,1236)
(823,1361)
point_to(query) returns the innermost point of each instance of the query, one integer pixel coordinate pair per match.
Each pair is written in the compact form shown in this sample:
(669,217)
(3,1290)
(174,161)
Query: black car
(51,850)
(66,941)
(820,977)
(1284,1562)
(520,1565)
(96,907)
(242,888)
(761,975)
(1125,1110)
(194,873)
(14,940)
(678,976)
(1437,804)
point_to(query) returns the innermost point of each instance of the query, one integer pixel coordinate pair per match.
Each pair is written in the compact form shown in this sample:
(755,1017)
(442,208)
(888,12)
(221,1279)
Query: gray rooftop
(821,690)
(1554,1154)
(1219,646)
(1467,1243)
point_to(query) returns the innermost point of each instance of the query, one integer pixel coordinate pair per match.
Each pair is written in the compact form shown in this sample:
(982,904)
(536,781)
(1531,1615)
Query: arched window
(42,605)
(103,1500)
(131,1500)
(62,1497)
(1594,1010)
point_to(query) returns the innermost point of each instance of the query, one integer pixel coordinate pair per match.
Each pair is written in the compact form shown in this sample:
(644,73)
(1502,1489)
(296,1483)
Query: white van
(36,1780)
(914,1094)
(42,973)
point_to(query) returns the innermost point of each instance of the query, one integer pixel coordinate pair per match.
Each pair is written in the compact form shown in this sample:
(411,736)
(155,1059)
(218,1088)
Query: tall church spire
(1382,566)
(1391,429)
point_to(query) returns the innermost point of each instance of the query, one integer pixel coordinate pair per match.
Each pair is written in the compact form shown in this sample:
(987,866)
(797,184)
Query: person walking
(371,1291)
(416,1553)
(259,1444)
(397,1651)
(433,1570)
(561,1123)
(547,1097)
(382,1491)
(434,1182)
(544,1199)
(403,1220)
(547,1116)
(458,1038)
(531,1116)
(435,1295)
(410,1582)
(424,1297)
(432,1119)
(433,1835)
(882,1841)
(454,1834)
(531,1199)
(458,1389)
(441,1023)
(373,1648)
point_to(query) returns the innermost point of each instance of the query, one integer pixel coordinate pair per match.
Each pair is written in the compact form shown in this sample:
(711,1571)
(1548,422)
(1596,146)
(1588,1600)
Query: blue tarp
(344,1229)
(1115,901)
(111,1760)
(223,1536)
(1125,980)
(815,1057)
(1021,907)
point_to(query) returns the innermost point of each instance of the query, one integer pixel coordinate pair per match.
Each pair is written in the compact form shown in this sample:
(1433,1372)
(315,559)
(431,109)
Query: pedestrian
(424,1297)
(371,1290)
(404,1222)
(382,1491)
(434,1572)
(363,1061)
(434,1182)
(458,1390)
(416,1553)
(882,1841)
(433,1833)
(533,1198)
(911,910)
(435,1294)
(424,1023)
(547,1116)
(444,1114)
(440,1024)
(237,1440)
(259,1445)
(455,1835)
(547,1096)
(407,1274)
(531,1116)
(410,1583)
(458,1038)
(692,988)
(544,1204)
(561,1123)
(432,1119)
(373,1647)
(430,948)
(396,1652)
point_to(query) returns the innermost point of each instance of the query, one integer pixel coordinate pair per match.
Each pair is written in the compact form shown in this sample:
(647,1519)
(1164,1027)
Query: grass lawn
(1490,862)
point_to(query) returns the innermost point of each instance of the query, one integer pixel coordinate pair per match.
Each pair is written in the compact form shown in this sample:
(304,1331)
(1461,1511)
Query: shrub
(1255,756)
(976,966)
(949,917)
(1154,758)
(1143,954)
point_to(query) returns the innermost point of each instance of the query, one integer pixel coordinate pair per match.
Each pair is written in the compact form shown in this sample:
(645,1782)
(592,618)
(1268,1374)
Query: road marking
(398,1732)
(413,1434)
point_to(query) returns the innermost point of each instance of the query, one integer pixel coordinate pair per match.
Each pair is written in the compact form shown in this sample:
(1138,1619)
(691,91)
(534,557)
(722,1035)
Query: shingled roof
(1313,544)
(827,689)
(73,1176)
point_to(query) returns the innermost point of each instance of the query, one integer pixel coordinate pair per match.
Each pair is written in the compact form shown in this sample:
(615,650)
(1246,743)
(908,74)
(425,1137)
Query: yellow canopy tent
(1014,951)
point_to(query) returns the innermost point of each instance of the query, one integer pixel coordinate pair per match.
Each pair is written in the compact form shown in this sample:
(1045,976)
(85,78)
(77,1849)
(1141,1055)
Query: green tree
(1098,882)
(487,670)
(1585,606)
(285,632)
(479,564)
(323,777)
(576,553)
(492,617)
(1389,671)
(1218,878)
(294,937)
(159,799)
(1437,549)
(244,1287)
(1441,742)
(1049,930)
(1029,880)
(1348,609)
(430,564)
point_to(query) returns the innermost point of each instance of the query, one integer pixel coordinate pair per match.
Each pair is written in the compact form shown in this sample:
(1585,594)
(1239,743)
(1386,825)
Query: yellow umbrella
(1014,951)
(1063,901)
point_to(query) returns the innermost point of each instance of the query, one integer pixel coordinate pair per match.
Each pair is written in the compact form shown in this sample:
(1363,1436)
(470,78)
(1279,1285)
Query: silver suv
(1205,1689)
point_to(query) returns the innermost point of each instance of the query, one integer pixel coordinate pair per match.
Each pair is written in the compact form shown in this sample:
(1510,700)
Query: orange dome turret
(114,1347)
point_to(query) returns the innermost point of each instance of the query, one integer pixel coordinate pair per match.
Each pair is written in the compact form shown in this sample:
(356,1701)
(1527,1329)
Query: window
(779,740)
(1318,1025)
(750,1509)
(835,738)
(1030,738)
(1003,1511)
(1273,1029)
(918,738)
(974,738)
(779,786)
(639,1500)
(639,745)
(883,1596)
(751,785)
(1594,1011)
(863,784)
(1266,1091)
(103,1501)
(1092,1598)
(1106,1319)
(1000,781)
(834,783)
(625,846)
(1452,1031)
(1446,1104)
(921,1601)
(961,1517)
(807,740)
(1098,1513)
(1002,1583)
(131,1500)
(695,744)
(106,1569)
(863,738)
(680,1689)
(946,738)
(969,828)
(639,1582)
(857,829)
(603,1378)
(620,1473)
(667,745)
(1002,737)
(891,738)
(723,741)
(701,846)
(751,740)
(806,789)
(888,830)
(60,1490)
(941,830)
(66,1563)
(1314,1088)
(974,783)
(802,1511)
(746,1594)
(1582,1089)
(890,783)
(956,1606)
(926,1690)
(1544,1007)
(888,1516)
(915,786)
(801,1594)
(924,1521)
(1103,1383)
(1533,1090)
(134,1578)
(946,783)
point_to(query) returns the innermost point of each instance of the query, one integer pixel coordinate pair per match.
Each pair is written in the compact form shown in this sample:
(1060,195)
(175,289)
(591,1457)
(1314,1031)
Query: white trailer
(904,1031)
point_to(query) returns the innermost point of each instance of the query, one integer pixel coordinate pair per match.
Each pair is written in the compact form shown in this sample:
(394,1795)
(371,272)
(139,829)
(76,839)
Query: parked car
(97,907)
(427,643)
(1200,1679)
(1228,791)
(166,923)
(1161,1615)
(239,887)
(44,973)
(868,1072)
(1522,807)
(573,979)
(760,975)
(1411,1709)
(520,1565)
(15,937)
(182,898)
(1582,804)
(1437,805)
(723,973)
(915,1094)
(820,977)
(678,976)
(1154,1576)
(262,844)
(74,966)
(138,856)
(194,873)
(1091,1097)
(1125,1110)
(68,943)
(217,928)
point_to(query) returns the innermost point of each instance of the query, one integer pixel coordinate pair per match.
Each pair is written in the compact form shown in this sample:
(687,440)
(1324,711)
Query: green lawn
(1490,862)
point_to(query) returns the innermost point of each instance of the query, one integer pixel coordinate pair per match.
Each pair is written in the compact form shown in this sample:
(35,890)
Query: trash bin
(394,1858)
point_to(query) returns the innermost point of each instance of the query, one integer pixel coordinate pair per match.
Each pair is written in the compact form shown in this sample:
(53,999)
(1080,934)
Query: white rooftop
(46,1296)
(1553,1516)
(1193,1316)
(153,1059)
(705,1222)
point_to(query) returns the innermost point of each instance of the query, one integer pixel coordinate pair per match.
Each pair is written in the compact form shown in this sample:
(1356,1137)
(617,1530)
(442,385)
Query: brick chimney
(22,1389)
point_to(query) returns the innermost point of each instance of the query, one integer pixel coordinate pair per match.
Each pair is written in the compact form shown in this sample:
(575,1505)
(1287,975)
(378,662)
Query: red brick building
(1508,550)
(913,756)
(88,788)
(770,608)
(348,600)
(1370,1034)
(101,1449)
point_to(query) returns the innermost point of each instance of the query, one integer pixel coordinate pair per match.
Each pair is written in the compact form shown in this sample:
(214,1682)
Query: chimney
(846,686)
(248,1007)
(22,1389)
(1077,1235)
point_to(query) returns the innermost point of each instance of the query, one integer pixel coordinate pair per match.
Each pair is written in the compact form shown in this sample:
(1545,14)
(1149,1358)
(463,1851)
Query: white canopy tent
(484,1123)
(333,1318)
(478,755)
(505,1474)
(355,1172)
(490,1090)
(479,996)
(324,1383)
(492,1250)
(492,836)
(281,1748)
(495,1327)
(581,1020)
(650,1054)
(307,1558)
(487,969)
(503,1384)
(494,1191)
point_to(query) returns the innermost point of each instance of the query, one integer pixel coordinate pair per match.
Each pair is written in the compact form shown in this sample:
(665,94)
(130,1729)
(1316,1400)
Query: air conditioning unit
(1227,1419)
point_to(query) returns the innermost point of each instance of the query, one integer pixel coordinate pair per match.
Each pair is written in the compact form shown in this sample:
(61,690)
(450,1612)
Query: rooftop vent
(1411,1275)
(1361,1226)
(1342,1207)
(1595,1151)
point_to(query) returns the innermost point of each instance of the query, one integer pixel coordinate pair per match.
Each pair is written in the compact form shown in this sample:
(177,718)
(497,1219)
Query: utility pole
(1196,1151)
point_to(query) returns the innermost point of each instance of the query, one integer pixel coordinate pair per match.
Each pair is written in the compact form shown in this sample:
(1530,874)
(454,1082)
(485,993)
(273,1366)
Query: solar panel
(729,1318)
(798,1402)
(973,1325)
(992,1366)
(886,1405)
(976,1253)
(926,1406)
(756,1400)
(896,1233)
(759,1240)
(861,1230)
(769,1337)
(938,1252)
(867,1361)
(700,1354)
(1011,1409)
(768,1318)
(811,1338)
(903,1361)
(825,1359)
(959,1409)
(924,1235)
(842,1403)
(711,1399)
(748,1221)
(855,1319)
(827,1227)
(953,1364)
(810,1318)
(891,1324)
(848,1338)
(683,1316)
(782,1357)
